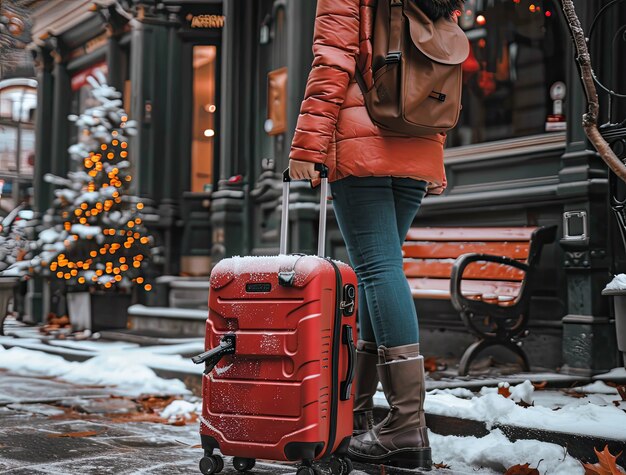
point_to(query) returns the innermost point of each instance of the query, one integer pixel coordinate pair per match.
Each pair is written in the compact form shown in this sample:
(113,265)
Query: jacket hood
(436,9)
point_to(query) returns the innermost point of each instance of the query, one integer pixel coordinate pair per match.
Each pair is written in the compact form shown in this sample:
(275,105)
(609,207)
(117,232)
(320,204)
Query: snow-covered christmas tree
(93,236)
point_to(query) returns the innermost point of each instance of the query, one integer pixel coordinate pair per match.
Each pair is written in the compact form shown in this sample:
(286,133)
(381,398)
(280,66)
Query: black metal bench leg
(477,347)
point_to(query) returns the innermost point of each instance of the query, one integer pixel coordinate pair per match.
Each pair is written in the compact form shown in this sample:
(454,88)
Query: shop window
(8,149)
(517,56)
(205,112)
(27,152)
(18,102)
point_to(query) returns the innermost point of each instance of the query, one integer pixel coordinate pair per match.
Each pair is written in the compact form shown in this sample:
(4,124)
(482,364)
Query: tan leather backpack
(416,69)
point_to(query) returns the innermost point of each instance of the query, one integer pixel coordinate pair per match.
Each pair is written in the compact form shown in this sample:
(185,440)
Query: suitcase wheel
(308,471)
(243,464)
(341,465)
(212,464)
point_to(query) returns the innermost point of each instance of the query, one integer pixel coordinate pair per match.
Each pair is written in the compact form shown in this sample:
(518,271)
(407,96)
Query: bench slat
(443,250)
(470,234)
(440,288)
(476,270)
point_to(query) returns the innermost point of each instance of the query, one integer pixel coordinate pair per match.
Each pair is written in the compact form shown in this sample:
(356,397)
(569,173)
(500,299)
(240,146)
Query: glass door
(204,118)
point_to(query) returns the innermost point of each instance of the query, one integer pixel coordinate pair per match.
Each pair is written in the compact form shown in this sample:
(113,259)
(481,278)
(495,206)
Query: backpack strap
(358,75)
(396,30)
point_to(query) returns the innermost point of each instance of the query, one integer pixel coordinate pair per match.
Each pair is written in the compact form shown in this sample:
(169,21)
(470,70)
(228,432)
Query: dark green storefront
(503,168)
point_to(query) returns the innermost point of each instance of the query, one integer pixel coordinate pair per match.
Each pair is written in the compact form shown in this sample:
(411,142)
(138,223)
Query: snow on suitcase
(280,357)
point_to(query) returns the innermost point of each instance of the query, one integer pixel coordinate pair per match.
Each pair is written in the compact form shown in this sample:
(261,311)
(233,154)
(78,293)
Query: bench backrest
(429,254)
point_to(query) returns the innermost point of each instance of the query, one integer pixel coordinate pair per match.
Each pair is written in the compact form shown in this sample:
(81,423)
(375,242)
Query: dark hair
(436,9)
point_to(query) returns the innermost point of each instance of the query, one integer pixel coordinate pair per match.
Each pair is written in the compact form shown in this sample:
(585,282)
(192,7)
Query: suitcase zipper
(332,433)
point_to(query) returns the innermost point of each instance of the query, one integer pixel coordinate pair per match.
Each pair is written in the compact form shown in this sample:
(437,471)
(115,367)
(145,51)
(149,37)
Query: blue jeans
(374,215)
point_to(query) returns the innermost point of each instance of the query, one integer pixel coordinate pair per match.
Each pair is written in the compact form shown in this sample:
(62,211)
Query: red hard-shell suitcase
(280,358)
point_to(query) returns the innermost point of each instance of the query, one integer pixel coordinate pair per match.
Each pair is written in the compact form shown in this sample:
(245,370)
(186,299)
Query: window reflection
(517,54)
(204,132)
(18,102)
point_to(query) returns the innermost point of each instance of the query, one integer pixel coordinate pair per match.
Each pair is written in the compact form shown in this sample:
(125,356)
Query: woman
(378,179)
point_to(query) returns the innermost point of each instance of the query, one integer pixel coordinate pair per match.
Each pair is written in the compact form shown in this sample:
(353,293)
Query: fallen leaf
(540,386)
(524,404)
(137,417)
(430,364)
(574,394)
(606,464)
(441,465)
(197,446)
(89,433)
(622,391)
(504,391)
(522,470)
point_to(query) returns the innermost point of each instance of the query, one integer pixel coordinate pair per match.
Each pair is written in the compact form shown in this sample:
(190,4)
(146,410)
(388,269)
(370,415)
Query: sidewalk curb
(577,445)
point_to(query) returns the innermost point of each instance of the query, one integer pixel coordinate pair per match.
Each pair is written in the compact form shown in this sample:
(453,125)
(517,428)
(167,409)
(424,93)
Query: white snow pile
(579,416)
(180,409)
(114,369)
(463,393)
(618,283)
(495,454)
(597,387)
(521,393)
(86,232)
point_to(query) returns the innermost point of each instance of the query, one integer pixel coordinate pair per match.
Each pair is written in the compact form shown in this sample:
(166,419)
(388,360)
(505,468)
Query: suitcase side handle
(347,339)
(227,346)
(284,221)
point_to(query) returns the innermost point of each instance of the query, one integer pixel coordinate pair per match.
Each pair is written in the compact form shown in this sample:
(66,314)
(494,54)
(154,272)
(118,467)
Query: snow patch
(492,409)
(618,283)
(86,232)
(458,392)
(596,387)
(116,369)
(614,374)
(180,409)
(495,454)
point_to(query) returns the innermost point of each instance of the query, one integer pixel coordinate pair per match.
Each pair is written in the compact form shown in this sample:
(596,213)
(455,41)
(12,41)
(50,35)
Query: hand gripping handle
(284,222)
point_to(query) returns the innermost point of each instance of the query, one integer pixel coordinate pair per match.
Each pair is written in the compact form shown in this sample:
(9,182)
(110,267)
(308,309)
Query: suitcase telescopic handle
(284,222)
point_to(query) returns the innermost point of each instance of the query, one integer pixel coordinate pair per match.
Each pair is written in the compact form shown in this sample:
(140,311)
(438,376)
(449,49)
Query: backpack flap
(442,41)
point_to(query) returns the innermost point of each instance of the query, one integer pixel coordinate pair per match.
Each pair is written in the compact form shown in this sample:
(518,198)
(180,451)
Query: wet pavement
(55,428)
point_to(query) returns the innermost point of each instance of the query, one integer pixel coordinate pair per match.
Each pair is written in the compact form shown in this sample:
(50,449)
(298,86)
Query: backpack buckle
(393,57)
(438,95)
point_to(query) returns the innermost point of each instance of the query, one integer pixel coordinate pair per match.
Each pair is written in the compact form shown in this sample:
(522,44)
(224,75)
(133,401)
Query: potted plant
(617,289)
(93,238)
(15,254)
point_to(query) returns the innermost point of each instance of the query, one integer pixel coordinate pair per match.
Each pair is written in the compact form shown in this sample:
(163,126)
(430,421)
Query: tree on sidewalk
(590,118)
(93,235)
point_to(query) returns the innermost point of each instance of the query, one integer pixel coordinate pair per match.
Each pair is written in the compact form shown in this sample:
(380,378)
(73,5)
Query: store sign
(80,79)
(206,21)
(92,45)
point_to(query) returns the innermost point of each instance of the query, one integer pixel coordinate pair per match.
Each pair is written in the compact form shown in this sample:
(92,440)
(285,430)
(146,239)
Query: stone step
(145,337)
(167,321)
(193,294)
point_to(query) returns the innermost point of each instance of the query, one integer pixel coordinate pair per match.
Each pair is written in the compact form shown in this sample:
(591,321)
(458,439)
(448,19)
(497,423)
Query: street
(56,428)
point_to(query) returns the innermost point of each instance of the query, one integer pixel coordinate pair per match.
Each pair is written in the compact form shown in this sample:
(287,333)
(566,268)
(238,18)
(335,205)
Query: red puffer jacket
(334,127)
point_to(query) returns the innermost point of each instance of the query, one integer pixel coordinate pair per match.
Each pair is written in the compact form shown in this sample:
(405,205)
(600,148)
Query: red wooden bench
(487,274)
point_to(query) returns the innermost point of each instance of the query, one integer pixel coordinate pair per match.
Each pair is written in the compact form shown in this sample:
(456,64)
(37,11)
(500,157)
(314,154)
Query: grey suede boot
(366,377)
(402,438)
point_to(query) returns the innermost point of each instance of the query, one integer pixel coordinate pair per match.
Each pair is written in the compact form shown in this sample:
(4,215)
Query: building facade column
(36,305)
(588,332)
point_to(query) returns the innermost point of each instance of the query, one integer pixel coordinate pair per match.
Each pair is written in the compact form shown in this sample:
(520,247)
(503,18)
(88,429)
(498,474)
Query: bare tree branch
(590,118)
